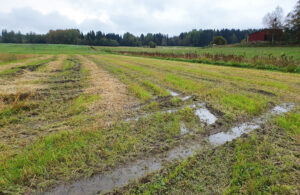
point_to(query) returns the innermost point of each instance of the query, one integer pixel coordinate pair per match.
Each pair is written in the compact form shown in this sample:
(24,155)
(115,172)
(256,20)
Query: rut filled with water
(122,176)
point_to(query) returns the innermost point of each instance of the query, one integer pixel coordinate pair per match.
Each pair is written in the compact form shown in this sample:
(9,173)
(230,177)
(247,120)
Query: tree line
(286,29)
(74,36)
(289,29)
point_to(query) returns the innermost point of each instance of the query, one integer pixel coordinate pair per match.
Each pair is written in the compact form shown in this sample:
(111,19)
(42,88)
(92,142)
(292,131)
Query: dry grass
(2,104)
(56,65)
(16,93)
(62,134)
(8,57)
(114,95)
(29,81)
(15,64)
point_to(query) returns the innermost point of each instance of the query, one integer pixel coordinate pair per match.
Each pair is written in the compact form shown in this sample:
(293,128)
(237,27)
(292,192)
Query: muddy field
(104,123)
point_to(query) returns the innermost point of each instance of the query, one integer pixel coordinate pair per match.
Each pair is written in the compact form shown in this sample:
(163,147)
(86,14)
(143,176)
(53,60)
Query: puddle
(173,93)
(185,98)
(201,111)
(107,182)
(235,132)
(183,129)
(285,107)
(221,138)
(120,177)
(205,115)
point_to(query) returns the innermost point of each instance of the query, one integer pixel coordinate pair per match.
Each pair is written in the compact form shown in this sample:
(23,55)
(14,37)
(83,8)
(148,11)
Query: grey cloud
(96,25)
(140,16)
(27,19)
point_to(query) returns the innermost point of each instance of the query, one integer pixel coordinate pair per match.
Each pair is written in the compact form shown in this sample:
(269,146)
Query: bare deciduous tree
(293,21)
(274,21)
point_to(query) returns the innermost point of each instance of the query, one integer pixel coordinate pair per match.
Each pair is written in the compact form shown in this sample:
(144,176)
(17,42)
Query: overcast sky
(136,16)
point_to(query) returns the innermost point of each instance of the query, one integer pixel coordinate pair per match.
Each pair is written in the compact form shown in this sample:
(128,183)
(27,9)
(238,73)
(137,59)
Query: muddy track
(123,175)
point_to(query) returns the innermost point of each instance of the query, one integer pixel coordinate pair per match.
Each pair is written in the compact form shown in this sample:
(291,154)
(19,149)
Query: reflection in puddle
(183,129)
(205,115)
(235,132)
(185,98)
(285,107)
(201,111)
(173,93)
(222,137)
(121,176)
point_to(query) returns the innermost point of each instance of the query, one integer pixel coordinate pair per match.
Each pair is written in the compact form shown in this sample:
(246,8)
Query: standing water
(235,132)
(122,176)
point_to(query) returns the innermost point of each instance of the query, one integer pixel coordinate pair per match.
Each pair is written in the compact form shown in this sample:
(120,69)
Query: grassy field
(71,49)
(44,49)
(247,51)
(72,112)
(11,57)
(284,59)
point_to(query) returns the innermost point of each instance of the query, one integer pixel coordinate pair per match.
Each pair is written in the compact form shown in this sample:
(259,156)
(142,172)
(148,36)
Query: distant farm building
(265,35)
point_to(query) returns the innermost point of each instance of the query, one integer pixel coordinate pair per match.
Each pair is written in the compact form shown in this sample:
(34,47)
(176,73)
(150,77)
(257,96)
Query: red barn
(265,35)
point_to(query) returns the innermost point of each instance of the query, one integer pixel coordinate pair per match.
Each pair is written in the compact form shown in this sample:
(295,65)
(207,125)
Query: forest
(74,36)
(274,21)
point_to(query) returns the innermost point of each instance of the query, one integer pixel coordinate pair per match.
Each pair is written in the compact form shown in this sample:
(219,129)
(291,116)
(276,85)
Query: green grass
(10,71)
(183,84)
(6,58)
(68,64)
(54,136)
(231,90)
(256,168)
(70,154)
(155,88)
(62,150)
(252,165)
(139,92)
(81,102)
(30,66)
(247,51)
(243,57)
(290,123)
(45,49)
(252,105)
(78,49)
(135,86)
(13,110)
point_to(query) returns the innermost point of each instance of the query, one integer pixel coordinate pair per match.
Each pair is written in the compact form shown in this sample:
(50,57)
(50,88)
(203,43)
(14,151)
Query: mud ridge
(263,92)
